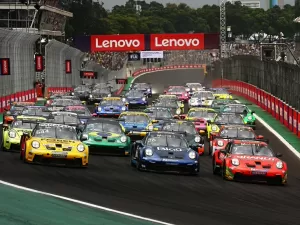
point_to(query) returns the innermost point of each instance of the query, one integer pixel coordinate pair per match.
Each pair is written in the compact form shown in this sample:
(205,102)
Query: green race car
(12,134)
(105,136)
(241,109)
(218,103)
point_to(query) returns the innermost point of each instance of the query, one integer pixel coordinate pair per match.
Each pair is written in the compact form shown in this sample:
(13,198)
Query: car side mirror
(260,137)
(278,155)
(208,121)
(84,137)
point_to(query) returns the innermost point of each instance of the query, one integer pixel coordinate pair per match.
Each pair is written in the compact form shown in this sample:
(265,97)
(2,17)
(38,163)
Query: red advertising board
(177,41)
(39,63)
(285,115)
(277,109)
(123,42)
(5,66)
(291,114)
(68,66)
(295,121)
(280,111)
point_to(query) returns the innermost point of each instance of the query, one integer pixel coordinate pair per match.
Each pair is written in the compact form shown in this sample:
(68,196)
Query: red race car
(227,133)
(180,91)
(250,160)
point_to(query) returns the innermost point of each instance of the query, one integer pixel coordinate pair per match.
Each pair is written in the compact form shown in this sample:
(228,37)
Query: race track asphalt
(185,200)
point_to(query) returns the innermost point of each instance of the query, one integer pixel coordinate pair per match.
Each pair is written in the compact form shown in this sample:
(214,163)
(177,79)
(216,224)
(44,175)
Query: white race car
(201,99)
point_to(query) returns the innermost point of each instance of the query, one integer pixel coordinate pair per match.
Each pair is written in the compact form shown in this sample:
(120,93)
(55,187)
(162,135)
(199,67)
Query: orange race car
(250,160)
(227,133)
(13,110)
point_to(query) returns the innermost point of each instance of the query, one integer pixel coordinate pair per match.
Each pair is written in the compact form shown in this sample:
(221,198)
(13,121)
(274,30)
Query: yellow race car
(221,93)
(213,126)
(54,144)
(12,133)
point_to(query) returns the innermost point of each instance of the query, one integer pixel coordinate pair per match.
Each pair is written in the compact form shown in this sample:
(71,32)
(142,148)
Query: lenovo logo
(177,41)
(133,42)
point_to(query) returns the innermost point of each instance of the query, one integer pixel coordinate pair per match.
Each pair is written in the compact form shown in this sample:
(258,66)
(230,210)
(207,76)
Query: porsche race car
(193,87)
(172,105)
(60,103)
(110,107)
(250,160)
(221,93)
(82,112)
(159,115)
(201,99)
(165,152)
(54,144)
(218,103)
(34,111)
(179,91)
(67,118)
(83,92)
(15,109)
(135,99)
(97,95)
(143,87)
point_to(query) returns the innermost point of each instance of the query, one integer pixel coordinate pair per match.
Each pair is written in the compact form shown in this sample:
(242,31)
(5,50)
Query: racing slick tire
(216,170)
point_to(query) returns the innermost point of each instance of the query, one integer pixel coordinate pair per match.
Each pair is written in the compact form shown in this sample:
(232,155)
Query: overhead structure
(223,50)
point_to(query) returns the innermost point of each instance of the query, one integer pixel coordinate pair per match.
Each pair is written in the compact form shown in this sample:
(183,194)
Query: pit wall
(280,110)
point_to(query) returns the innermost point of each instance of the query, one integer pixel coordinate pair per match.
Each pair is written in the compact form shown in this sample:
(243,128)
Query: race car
(68,118)
(61,96)
(160,115)
(34,111)
(199,117)
(136,124)
(56,95)
(135,99)
(13,110)
(105,136)
(144,87)
(61,103)
(82,112)
(163,151)
(221,93)
(172,105)
(250,160)
(201,99)
(83,92)
(54,144)
(226,133)
(218,103)
(98,94)
(170,97)
(179,91)
(241,109)
(193,87)
(110,107)
(195,141)
(12,134)
(223,119)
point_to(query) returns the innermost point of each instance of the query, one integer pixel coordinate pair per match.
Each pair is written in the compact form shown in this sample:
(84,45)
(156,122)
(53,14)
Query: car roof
(134,113)
(63,112)
(53,124)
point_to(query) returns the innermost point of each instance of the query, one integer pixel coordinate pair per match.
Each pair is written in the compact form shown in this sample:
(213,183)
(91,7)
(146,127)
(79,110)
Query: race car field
(177,199)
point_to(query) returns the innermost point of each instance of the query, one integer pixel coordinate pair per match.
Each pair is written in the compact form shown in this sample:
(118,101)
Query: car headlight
(178,111)
(187,89)
(48,102)
(123,108)
(12,134)
(72,93)
(192,155)
(35,144)
(148,89)
(185,94)
(80,147)
(235,162)
(144,99)
(91,96)
(99,109)
(279,165)
(148,152)
(197,139)
(124,99)
(109,95)
(214,128)
(123,139)
(150,127)
(249,117)
(193,89)
(220,143)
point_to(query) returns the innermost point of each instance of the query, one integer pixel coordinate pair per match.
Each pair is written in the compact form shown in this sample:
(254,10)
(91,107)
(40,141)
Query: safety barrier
(283,112)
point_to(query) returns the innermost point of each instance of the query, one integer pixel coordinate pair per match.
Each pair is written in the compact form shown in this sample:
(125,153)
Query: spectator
(109,60)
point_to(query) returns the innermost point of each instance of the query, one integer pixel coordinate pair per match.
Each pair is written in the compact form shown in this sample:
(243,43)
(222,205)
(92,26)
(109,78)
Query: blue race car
(144,87)
(160,115)
(111,107)
(135,99)
(164,151)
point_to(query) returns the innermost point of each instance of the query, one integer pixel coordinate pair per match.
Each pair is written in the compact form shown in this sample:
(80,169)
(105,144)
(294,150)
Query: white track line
(276,134)
(84,203)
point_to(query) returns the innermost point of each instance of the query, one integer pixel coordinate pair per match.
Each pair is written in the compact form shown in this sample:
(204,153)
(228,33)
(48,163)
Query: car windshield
(19,124)
(206,95)
(181,127)
(65,118)
(229,119)
(79,110)
(56,132)
(35,112)
(137,94)
(235,109)
(135,118)
(237,133)
(252,149)
(140,86)
(176,89)
(112,102)
(81,88)
(104,127)
(163,140)
(164,114)
(167,104)
(202,114)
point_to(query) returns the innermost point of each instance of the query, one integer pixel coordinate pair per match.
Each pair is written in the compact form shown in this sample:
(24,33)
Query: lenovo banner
(152,54)
(5,66)
(177,41)
(134,56)
(124,42)
(39,63)
(68,66)
(88,74)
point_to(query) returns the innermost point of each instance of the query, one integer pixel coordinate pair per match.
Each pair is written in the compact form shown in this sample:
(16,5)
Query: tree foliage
(92,18)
